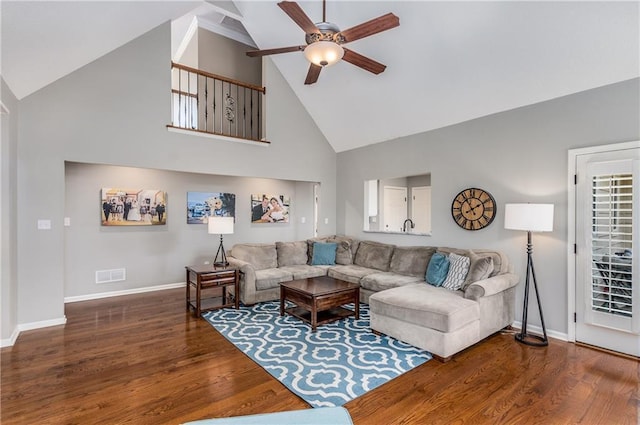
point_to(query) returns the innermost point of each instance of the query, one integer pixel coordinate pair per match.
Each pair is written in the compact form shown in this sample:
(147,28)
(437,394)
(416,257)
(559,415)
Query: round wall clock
(473,209)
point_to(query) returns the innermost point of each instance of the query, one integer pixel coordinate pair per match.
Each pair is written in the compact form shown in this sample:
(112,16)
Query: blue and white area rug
(337,363)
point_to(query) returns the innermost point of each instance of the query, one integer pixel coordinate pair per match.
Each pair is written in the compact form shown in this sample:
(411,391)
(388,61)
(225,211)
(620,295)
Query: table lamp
(530,218)
(220,226)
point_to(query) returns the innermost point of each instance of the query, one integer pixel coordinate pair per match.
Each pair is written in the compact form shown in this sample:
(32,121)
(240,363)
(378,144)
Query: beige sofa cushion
(411,260)
(271,278)
(385,280)
(310,243)
(500,261)
(261,256)
(303,271)
(291,253)
(374,255)
(351,273)
(479,269)
(426,306)
(344,255)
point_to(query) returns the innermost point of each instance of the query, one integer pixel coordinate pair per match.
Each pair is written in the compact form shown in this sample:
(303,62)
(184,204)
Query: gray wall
(115,111)
(518,156)
(156,255)
(226,57)
(8,205)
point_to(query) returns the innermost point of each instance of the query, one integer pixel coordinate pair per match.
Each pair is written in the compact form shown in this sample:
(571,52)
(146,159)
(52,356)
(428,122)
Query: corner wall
(8,216)
(114,111)
(518,156)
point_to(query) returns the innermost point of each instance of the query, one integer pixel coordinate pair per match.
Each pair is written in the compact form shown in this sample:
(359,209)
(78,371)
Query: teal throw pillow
(324,253)
(438,269)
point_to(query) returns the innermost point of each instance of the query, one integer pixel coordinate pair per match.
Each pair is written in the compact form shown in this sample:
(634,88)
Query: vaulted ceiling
(447,62)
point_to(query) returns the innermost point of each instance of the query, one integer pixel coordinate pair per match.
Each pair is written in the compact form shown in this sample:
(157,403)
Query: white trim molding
(571,223)
(124,292)
(9,342)
(537,330)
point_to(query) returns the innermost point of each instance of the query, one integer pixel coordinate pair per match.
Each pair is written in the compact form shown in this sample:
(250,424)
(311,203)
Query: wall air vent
(107,276)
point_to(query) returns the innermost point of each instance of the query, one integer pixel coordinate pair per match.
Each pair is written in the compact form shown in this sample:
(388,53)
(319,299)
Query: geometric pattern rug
(335,364)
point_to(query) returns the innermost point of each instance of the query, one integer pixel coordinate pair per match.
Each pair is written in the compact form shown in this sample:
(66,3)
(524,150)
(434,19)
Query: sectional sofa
(393,281)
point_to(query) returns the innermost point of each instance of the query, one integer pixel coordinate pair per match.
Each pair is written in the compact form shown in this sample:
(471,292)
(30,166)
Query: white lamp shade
(323,53)
(529,217)
(221,225)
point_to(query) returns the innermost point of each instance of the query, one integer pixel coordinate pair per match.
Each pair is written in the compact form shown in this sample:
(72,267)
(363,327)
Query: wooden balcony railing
(213,104)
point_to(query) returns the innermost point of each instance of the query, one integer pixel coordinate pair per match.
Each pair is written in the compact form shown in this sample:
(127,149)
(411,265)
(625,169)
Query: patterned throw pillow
(458,269)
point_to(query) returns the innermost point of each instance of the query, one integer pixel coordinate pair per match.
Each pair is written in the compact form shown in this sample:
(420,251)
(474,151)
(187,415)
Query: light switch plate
(44,224)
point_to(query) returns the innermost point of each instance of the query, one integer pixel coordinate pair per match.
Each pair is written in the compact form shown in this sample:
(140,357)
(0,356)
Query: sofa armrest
(247,279)
(491,286)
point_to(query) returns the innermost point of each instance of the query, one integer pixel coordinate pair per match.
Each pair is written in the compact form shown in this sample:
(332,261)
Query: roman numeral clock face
(473,209)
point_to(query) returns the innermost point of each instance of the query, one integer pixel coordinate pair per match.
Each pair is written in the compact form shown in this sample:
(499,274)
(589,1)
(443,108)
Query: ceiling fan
(324,40)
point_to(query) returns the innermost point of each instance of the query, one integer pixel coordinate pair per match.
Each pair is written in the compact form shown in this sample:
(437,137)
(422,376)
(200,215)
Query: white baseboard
(537,330)
(123,292)
(9,342)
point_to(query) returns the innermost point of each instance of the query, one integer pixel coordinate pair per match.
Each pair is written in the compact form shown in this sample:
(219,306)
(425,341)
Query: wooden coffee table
(319,299)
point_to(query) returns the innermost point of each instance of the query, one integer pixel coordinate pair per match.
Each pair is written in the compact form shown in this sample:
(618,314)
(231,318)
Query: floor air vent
(106,276)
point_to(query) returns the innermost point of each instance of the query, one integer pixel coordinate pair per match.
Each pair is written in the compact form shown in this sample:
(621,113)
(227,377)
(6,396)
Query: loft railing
(213,104)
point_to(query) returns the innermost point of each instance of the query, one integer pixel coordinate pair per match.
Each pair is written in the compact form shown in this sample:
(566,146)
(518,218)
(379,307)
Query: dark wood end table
(217,281)
(319,300)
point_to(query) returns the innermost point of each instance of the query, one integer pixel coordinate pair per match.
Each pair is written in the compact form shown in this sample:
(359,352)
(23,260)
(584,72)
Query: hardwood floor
(142,359)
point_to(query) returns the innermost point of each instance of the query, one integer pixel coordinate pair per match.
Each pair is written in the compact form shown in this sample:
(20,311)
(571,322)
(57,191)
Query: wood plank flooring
(142,359)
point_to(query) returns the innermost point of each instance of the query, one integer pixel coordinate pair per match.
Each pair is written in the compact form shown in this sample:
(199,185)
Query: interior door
(395,208)
(607,260)
(421,209)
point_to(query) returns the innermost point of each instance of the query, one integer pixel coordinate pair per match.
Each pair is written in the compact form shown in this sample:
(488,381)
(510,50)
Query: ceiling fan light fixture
(323,53)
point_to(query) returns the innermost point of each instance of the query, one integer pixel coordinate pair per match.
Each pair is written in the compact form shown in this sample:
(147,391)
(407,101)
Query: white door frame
(571,225)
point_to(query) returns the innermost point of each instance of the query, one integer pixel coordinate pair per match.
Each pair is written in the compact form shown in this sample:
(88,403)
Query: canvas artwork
(137,207)
(202,205)
(267,208)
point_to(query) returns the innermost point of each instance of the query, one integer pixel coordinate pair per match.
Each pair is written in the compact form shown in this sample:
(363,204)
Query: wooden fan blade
(296,13)
(363,62)
(313,74)
(254,53)
(374,26)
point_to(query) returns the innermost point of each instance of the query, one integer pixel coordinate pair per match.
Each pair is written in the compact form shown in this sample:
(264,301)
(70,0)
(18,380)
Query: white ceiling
(447,62)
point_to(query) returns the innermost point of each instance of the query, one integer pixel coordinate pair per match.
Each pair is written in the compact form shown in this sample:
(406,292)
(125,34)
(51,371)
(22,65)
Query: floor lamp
(530,218)
(220,226)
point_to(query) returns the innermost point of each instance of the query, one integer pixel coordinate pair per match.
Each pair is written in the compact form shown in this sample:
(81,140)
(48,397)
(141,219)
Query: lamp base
(221,264)
(533,340)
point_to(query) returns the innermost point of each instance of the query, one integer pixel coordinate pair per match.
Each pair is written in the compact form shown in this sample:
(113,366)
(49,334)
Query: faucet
(404,225)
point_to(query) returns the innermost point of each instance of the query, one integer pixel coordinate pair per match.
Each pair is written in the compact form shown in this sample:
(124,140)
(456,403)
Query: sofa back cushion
(261,256)
(291,253)
(344,254)
(310,243)
(374,255)
(411,260)
(500,261)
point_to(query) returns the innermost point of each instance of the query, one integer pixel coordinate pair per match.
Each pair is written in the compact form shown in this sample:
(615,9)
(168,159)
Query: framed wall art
(267,208)
(133,207)
(202,205)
